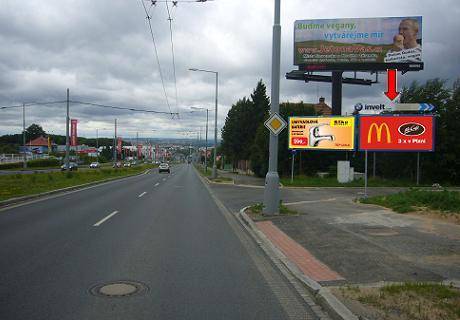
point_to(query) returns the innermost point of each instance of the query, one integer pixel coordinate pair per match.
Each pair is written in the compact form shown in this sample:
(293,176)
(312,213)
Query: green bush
(12,165)
(51,162)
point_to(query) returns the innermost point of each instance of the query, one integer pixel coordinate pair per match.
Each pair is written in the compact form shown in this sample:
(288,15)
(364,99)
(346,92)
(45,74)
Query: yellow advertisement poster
(322,133)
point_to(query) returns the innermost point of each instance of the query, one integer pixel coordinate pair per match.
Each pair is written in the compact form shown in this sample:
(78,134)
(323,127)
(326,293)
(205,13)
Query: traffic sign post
(293,152)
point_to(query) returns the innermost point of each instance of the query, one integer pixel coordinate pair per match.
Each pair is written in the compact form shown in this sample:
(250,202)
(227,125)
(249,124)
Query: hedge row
(31,164)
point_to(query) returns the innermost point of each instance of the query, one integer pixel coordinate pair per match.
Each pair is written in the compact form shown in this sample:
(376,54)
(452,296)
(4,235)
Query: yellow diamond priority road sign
(275,124)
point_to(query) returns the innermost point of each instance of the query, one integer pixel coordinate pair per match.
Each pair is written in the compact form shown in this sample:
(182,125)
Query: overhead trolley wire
(172,51)
(156,54)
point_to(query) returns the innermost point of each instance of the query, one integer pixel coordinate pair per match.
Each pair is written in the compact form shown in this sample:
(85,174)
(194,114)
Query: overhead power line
(123,108)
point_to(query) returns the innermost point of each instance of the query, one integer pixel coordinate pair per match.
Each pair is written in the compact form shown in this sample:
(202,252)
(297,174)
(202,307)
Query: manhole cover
(119,289)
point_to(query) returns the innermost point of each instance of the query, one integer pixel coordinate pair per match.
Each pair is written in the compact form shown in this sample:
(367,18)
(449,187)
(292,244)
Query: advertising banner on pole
(385,40)
(73,132)
(322,133)
(119,145)
(396,133)
(139,151)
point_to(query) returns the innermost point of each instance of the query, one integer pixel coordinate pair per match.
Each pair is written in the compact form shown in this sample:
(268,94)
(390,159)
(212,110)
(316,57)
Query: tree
(34,131)
(242,123)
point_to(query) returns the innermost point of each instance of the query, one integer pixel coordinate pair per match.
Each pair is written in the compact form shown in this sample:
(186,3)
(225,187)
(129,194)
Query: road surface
(163,234)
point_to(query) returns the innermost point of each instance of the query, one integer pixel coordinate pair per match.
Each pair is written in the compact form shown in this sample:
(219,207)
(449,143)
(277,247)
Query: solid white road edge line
(105,219)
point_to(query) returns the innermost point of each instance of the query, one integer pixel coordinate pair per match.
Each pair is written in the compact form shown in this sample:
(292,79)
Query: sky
(103,52)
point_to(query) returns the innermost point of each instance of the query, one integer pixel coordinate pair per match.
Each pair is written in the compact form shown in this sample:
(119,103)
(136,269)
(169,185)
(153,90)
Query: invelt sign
(369,108)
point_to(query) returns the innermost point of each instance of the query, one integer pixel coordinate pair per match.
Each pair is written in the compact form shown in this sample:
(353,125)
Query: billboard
(374,43)
(322,133)
(396,133)
(73,132)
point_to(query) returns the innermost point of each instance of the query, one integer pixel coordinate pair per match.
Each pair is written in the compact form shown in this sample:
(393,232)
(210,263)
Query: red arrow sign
(391,92)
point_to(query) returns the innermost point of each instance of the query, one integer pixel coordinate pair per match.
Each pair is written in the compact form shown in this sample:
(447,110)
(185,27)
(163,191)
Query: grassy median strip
(418,301)
(416,200)
(18,185)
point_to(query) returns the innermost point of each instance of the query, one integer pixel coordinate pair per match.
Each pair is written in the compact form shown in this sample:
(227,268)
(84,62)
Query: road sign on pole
(419,107)
(275,124)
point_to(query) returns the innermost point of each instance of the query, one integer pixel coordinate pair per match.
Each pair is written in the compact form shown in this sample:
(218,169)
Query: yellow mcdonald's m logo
(378,130)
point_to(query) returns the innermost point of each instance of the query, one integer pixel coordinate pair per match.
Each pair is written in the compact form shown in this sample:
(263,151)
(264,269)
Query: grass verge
(208,174)
(418,301)
(18,185)
(256,211)
(310,181)
(417,200)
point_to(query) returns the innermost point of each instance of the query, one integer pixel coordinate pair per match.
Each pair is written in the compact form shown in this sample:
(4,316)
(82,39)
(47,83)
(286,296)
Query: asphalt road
(163,231)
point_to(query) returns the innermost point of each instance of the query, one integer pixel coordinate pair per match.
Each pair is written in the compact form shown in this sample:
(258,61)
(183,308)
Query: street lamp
(206,147)
(214,166)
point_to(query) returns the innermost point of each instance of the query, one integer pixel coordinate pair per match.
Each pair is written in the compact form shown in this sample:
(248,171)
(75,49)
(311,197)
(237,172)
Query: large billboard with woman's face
(354,41)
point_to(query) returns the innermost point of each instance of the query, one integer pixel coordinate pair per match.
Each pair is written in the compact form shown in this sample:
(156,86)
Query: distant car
(127,164)
(117,165)
(164,167)
(95,165)
(72,166)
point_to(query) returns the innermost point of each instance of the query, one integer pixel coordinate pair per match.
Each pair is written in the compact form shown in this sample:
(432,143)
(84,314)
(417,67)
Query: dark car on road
(72,166)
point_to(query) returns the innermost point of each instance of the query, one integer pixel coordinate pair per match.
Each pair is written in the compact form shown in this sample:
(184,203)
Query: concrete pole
(214,165)
(67,140)
(271,191)
(115,143)
(137,146)
(206,147)
(24,164)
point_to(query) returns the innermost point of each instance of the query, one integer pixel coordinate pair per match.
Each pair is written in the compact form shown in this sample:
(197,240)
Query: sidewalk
(335,241)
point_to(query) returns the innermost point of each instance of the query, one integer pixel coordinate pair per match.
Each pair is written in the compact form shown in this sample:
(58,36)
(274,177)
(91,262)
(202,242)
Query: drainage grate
(119,289)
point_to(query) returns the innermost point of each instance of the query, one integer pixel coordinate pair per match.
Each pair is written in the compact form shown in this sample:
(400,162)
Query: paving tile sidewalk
(335,238)
(304,260)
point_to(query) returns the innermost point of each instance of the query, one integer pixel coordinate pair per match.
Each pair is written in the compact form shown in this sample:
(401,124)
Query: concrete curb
(12,201)
(323,295)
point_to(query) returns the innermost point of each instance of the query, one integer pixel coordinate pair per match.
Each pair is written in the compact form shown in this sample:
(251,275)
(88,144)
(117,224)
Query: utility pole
(97,139)
(206,147)
(114,144)
(214,165)
(67,140)
(271,191)
(137,146)
(24,164)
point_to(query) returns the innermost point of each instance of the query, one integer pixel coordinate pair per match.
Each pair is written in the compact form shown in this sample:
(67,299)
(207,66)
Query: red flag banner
(119,145)
(73,132)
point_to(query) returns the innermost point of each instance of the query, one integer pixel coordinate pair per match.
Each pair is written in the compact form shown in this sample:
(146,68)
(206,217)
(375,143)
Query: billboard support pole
(337,93)
(374,165)
(365,176)
(292,168)
(271,191)
(418,168)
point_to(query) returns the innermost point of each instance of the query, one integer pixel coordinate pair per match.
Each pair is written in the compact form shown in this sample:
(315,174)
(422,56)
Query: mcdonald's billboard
(396,133)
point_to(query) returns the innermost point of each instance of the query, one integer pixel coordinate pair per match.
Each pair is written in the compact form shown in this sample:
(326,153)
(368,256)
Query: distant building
(38,146)
(322,108)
